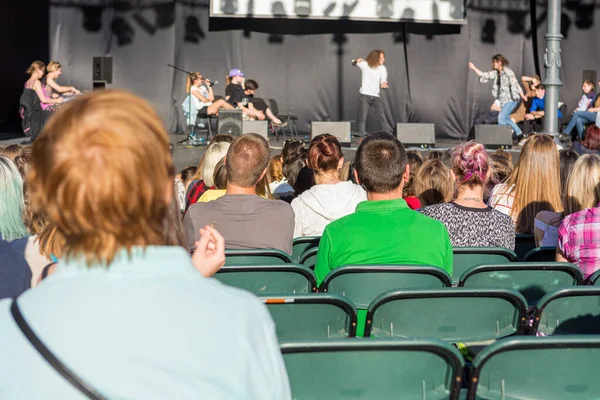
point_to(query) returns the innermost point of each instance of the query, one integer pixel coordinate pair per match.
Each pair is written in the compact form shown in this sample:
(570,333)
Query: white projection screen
(427,11)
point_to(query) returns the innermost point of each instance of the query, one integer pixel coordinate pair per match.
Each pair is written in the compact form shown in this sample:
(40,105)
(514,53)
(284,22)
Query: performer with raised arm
(373,79)
(506,90)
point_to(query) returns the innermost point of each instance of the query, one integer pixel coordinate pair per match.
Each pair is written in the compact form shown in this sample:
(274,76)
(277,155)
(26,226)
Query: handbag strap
(54,362)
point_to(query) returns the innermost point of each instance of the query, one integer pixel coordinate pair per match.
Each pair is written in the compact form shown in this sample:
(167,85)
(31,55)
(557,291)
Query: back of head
(220,175)
(582,189)
(12,151)
(275,169)
(324,153)
(11,201)
(53,66)
(221,137)
(125,201)
(247,159)
(501,168)
(415,161)
(373,58)
(535,182)
(592,137)
(291,148)
(35,65)
(433,183)
(567,160)
(214,153)
(250,84)
(380,163)
(470,164)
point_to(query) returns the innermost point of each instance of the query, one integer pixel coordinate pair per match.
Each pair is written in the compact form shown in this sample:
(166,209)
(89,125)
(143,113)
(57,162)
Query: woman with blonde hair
(203,178)
(433,183)
(200,100)
(117,271)
(34,100)
(533,186)
(582,190)
(53,71)
(469,221)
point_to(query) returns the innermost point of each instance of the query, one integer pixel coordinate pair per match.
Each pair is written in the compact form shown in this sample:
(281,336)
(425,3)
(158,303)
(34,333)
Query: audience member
(414,162)
(469,221)
(11,201)
(433,183)
(246,220)
(586,112)
(220,181)
(345,171)
(221,137)
(275,174)
(581,191)
(15,278)
(203,178)
(590,144)
(173,224)
(12,151)
(567,159)
(330,198)
(383,230)
(533,186)
(182,181)
(501,166)
(119,292)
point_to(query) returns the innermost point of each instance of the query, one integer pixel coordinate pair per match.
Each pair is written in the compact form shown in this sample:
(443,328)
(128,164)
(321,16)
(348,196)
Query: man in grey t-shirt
(246,220)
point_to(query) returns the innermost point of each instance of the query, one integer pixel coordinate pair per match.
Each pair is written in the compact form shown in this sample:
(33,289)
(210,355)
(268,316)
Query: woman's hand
(209,256)
(472,66)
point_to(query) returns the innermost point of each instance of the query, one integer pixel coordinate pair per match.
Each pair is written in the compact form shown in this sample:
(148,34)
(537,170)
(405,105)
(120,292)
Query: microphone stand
(192,134)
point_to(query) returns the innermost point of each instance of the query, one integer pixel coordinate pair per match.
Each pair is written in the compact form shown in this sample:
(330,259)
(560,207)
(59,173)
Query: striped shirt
(502,199)
(579,239)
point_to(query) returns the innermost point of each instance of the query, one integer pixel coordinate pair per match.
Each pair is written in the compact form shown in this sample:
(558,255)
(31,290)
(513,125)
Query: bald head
(247,159)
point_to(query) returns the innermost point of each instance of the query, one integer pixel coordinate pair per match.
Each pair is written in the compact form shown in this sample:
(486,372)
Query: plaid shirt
(196,189)
(579,239)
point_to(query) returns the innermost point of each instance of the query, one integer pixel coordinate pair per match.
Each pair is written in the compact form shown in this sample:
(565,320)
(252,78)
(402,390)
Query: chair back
(467,257)
(267,280)
(524,243)
(256,257)
(274,106)
(541,254)
(373,369)
(593,280)
(302,244)
(569,311)
(309,257)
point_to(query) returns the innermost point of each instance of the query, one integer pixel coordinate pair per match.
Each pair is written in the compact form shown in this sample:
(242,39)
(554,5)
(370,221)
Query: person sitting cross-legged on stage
(383,230)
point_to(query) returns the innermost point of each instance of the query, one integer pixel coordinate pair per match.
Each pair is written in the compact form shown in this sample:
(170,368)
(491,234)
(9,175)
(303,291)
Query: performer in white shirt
(374,78)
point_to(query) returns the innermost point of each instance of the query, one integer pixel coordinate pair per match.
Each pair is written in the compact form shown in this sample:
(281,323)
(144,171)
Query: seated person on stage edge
(537,109)
(245,219)
(125,311)
(236,97)
(200,100)
(586,112)
(471,222)
(383,230)
(258,105)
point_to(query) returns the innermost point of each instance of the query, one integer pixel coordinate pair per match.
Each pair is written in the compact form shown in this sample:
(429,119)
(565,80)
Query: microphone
(353,62)
(211,83)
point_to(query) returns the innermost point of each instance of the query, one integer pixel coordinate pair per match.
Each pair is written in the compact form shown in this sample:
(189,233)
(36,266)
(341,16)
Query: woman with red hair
(330,198)
(591,143)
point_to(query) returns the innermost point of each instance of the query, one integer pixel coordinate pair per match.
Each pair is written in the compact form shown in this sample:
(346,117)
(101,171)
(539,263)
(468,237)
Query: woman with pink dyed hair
(469,220)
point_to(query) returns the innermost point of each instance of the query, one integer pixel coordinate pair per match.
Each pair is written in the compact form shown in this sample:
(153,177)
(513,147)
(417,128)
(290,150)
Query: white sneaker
(522,141)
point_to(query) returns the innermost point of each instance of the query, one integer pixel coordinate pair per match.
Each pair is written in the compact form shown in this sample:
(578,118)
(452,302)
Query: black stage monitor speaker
(260,127)
(102,69)
(494,136)
(421,135)
(341,130)
(230,122)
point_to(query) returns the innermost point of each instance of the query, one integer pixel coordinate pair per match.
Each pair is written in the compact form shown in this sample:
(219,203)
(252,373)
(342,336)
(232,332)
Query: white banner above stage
(429,11)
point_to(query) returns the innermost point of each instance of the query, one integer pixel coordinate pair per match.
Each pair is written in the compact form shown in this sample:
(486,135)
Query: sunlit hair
(193,77)
(501,59)
(53,66)
(214,153)
(433,183)
(11,201)
(275,169)
(534,182)
(583,185)
(262,188)
(324,153)
(470,164)
(12,151)
(592,137)
(220,175)
(567,159)
(35,66)
(34,220)
(414,161)
(125,202)
(501,168)
(374,57)
(51,241)
(344,174)
(247,159)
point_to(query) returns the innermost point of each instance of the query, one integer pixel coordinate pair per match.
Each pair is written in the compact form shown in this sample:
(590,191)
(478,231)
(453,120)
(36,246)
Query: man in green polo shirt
(383,230)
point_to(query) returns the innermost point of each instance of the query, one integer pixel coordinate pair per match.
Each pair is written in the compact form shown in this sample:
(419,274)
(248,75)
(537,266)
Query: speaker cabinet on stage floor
(341,130)
(260,127)
(230,122)
(494,136)
(102,69)
(421,135)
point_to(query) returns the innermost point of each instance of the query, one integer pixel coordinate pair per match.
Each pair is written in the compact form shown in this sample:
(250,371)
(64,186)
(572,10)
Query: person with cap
(234,94)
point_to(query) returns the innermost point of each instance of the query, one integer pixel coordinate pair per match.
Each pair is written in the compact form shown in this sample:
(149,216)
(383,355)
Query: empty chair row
(555,368)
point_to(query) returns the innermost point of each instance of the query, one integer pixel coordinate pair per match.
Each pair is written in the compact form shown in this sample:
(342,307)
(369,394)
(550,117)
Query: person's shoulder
(501,217)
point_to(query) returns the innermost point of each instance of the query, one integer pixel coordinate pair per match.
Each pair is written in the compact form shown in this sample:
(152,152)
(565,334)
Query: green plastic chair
(312,316)
(303,243)
(569,311)
(524,243)
(593,280)
(309,258)
(266,280)
(532,280)
(467,257)
(451,314)
(556,368)
(541,254)
(256,257)
(373,369)
(363,283)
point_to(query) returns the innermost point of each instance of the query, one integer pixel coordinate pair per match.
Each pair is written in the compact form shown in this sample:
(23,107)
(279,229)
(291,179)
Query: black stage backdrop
(308,68)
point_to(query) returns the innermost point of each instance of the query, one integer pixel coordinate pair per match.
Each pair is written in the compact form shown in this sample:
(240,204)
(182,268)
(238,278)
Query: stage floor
(184,155)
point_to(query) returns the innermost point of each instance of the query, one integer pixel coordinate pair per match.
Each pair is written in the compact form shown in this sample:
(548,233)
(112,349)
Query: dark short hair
(251,85)
(501,59)
(540,86)
(380,162)
(247,158)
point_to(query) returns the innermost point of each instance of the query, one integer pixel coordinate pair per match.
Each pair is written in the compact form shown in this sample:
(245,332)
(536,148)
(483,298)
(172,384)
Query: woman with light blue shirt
(127,315)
